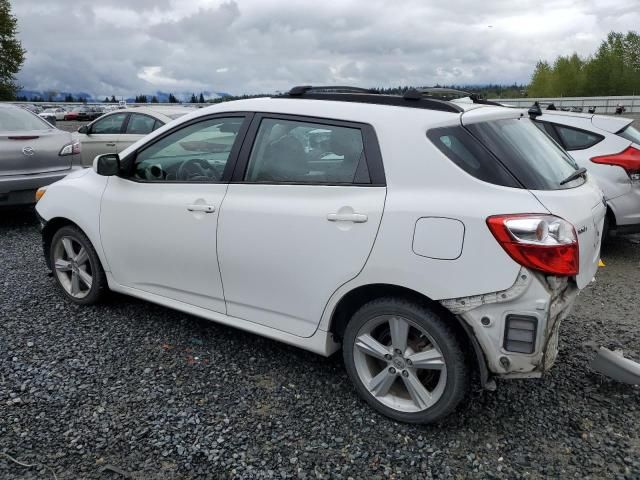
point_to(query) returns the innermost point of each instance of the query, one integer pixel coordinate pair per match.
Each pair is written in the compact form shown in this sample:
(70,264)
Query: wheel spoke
(399,333)
(370,346)
(63,265)
(75,283)
(82,256)
(85,277)
(419,394)
(381,383)
(68,248)
(429,359)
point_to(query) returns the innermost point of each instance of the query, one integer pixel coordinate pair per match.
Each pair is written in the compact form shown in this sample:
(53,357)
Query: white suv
(427,239)
(609,147)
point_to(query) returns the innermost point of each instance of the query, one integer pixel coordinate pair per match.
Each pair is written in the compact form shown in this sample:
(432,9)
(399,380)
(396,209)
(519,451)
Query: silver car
(32,154)
(609,147)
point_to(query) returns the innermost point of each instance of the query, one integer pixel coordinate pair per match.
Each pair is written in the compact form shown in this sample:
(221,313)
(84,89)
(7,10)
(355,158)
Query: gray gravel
(138,389)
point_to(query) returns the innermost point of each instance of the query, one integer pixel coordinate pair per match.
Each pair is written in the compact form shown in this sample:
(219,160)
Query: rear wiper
(578,173)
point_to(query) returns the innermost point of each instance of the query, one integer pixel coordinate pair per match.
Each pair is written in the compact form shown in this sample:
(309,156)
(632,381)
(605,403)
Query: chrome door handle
(110,144)
(347,217)
(201,208)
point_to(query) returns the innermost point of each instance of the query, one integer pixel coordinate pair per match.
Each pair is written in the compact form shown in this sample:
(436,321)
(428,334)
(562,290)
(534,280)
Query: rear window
(20,120)
(531,156)
(470,155)
(630,133)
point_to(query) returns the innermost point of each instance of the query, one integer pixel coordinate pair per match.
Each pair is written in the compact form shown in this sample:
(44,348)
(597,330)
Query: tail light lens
(545,243)
(70,149)
(628,159)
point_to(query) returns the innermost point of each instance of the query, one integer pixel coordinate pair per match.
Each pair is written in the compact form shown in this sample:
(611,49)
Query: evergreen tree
(113,99)
(193,98)
(201,99)
(11,52)
(154,99)
(106,100)
(172,98)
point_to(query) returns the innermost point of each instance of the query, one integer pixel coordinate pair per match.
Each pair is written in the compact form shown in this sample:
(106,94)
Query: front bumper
(21,189)
(542,301)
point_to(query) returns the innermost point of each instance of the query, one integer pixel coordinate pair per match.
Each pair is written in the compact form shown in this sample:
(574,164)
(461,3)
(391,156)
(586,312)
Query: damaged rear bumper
(518,328)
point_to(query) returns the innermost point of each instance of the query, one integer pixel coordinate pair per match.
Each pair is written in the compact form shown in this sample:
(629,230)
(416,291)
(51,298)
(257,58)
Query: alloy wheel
(399,363)
(73,266)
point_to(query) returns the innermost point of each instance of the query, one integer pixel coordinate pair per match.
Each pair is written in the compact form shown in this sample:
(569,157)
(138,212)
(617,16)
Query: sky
(126,47)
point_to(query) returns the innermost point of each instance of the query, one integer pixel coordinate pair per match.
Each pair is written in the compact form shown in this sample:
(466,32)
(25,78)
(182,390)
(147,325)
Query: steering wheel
(197,169)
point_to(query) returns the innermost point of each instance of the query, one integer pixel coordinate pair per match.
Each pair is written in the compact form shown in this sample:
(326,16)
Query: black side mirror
(107,164)
(84,129)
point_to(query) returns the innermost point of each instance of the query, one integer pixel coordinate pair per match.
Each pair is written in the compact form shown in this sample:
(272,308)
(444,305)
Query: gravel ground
(148,392)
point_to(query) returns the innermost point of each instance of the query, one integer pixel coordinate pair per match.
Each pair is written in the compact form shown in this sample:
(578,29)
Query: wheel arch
(352,300)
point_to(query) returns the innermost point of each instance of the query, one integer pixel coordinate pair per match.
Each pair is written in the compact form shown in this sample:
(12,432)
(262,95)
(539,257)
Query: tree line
(614,69)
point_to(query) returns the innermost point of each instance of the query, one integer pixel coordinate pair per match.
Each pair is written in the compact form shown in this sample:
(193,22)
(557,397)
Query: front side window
(195,153)
(575,139)
(532,157)
(140,124)
(291,151)
(111,124)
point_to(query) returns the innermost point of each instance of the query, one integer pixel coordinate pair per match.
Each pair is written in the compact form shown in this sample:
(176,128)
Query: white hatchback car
(117,129)
(427,239)
(609,147)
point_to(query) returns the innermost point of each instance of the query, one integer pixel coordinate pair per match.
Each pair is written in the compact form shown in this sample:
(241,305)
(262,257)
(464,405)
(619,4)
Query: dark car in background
(33,154)
(88,114)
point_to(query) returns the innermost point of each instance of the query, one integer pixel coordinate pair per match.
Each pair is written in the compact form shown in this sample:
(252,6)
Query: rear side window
(576,139)
(470,155)
(290,151)
(630,133)
(531,156)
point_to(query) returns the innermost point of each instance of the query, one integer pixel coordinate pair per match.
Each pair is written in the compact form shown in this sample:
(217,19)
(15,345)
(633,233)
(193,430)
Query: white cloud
(124,47)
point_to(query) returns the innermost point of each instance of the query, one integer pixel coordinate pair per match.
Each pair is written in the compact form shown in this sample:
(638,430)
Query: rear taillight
(70,149)
(545,243)
(628,159)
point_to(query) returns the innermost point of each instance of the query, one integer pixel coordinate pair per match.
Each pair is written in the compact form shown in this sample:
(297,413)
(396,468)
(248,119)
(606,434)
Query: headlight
(70,149)
(40,193)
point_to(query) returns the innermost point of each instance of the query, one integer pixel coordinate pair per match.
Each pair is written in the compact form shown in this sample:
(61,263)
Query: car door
(158,219)
(299,219)
(138,125)
(101,137)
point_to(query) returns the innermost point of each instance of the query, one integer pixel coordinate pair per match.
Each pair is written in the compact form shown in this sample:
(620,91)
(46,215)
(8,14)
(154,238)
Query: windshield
(19,120)
(630,133)
(530,155)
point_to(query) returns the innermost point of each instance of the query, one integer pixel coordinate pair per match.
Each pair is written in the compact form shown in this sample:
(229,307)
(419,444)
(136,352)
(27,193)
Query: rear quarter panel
(422,182)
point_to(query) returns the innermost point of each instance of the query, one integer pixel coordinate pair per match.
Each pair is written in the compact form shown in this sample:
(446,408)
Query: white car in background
(426,239)
(116,130)
(609,147)
(57,112)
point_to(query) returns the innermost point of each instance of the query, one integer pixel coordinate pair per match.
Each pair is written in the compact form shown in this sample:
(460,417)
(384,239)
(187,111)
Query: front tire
(76,266)
(405,360)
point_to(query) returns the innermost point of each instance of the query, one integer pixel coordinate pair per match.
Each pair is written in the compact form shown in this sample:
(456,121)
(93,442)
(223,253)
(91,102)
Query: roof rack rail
(364,95)
(302,89)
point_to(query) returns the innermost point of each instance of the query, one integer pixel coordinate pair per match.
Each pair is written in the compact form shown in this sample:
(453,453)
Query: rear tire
(76,267)
(405,360)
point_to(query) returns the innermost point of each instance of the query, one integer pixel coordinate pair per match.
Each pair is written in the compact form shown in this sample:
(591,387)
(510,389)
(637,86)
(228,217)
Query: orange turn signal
(40,193)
